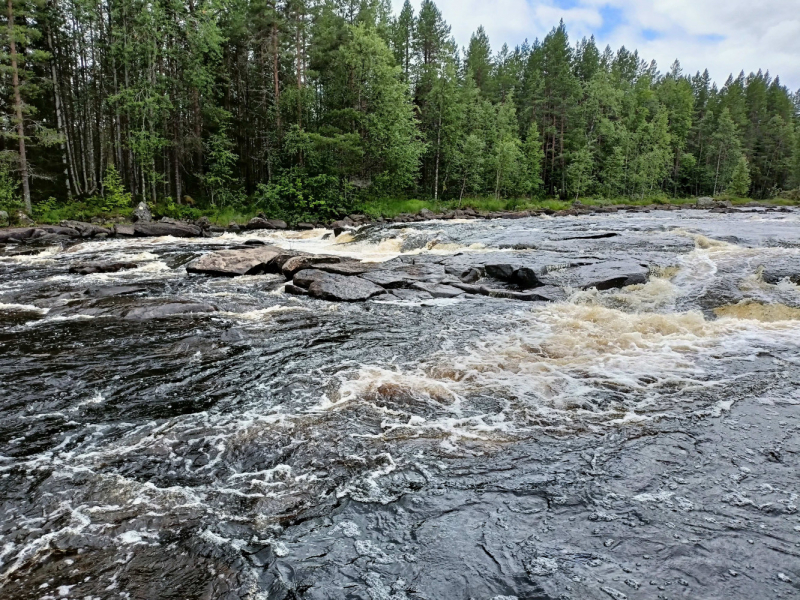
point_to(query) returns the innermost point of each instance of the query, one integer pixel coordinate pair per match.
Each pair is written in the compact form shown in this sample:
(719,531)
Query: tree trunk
(438,148)
(59,114)
(23,161)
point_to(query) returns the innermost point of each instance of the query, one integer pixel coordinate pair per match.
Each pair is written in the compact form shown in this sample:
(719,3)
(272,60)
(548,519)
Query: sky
(724,36)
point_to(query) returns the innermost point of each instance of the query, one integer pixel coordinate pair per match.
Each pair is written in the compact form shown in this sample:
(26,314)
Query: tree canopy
(307,104)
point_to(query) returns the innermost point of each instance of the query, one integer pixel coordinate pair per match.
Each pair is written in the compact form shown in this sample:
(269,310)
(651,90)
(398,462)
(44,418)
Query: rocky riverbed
(587,406)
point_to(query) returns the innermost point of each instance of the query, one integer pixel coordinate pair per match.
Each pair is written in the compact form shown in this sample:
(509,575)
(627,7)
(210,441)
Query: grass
(387,208)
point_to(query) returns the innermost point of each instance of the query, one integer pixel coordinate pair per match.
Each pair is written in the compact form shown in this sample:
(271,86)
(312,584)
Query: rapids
(630,443)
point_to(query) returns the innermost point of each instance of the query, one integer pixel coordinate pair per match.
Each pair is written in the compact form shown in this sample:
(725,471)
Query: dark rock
(230,263)
(338,227)
(290,288)
(471,275)
(503,271)
(233,226)
(183,230)
(170,309)
(438,290)
(526,278)
(99,267)
(298,263)
(386,279)
(203,223)
(255,243)
(427,214)
(261,223)
(306,277)
(141,214)
(124,230)
(85,230)
(305,226)
(343,289)
(217,229)
(15,234)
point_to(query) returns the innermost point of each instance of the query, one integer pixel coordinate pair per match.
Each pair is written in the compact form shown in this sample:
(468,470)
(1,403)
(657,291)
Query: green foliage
(10,200)
(296,197)
(114,195)
(739,185)
(223,187)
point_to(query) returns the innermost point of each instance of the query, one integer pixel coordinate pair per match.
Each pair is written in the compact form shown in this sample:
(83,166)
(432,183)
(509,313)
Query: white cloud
(723,36)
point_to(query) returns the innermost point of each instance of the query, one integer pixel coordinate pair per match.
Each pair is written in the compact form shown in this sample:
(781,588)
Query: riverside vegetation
(307,110)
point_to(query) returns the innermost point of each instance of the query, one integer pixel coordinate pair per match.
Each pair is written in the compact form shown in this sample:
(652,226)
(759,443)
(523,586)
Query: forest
(310,108)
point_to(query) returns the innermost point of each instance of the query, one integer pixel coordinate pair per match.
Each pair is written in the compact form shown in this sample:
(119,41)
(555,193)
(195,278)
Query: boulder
(233,226)
(705,202)
(339,227)
(24,219)
(298,263)
(4,219)
(340,288)
(85,230)
(232,263)
(526,278)
(306,277)
(141,214)
(150,229)
(124,230)
(261,223)
(100,267)
(471,275)
(427,214)
(501,271)
(305,226)
(203,223)
(15,234)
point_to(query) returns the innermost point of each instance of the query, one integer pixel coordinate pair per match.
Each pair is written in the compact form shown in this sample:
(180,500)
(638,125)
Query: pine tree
(739,185)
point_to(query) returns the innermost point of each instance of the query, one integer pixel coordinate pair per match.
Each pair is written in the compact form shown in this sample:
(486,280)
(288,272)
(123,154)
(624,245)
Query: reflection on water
(633,442)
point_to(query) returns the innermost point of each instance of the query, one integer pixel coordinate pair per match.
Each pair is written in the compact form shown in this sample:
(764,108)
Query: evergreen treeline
(306,106)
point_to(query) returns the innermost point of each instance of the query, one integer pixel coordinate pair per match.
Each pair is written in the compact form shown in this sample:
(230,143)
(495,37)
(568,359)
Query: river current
(629,443)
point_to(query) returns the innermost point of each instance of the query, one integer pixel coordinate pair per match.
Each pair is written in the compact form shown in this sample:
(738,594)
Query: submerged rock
(170,309)
(100,267)
(231,263)
(343,289)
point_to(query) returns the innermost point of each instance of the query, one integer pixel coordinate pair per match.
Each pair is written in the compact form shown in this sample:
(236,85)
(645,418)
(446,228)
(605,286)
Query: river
(633,443)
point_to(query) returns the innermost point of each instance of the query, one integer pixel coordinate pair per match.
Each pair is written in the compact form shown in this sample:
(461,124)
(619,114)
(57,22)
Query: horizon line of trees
(306,105)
